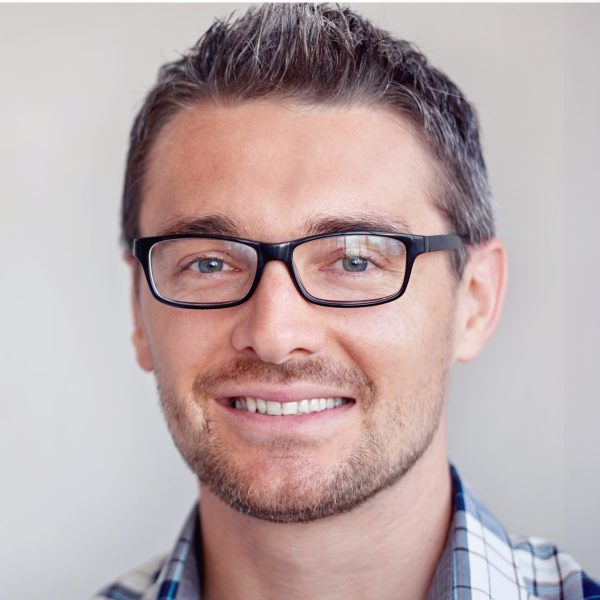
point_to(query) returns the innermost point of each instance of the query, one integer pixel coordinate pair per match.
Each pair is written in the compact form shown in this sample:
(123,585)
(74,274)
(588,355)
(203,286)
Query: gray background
(91,484)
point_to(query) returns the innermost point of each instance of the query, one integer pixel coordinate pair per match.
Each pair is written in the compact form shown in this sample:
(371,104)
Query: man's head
(323,55)
(291,121)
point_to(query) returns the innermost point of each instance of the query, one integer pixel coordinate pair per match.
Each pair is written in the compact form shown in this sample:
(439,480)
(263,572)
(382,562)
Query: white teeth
(289,408)
(301,407)
(273,408)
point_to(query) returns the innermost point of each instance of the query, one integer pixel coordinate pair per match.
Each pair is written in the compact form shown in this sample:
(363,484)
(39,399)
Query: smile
(274,408)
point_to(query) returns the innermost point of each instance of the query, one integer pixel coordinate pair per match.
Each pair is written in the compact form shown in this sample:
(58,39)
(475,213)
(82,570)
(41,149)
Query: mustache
(321,371)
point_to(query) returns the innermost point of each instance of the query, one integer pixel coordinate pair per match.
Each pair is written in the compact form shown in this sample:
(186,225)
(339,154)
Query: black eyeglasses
(353,269)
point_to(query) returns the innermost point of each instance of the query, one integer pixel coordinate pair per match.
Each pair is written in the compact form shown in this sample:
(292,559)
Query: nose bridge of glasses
(280,251)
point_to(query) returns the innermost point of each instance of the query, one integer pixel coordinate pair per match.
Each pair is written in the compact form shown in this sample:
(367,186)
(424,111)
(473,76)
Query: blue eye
(355,264)
(209,265)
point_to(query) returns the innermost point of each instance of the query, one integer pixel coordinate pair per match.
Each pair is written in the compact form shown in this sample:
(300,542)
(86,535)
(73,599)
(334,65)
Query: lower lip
(301,423)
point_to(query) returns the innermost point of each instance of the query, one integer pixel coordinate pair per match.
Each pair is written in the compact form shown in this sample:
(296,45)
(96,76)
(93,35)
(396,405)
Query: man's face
(273,174)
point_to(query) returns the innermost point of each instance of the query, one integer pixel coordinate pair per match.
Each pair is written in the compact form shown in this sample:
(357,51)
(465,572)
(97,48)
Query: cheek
(400,343)
(377,337)
(185,342)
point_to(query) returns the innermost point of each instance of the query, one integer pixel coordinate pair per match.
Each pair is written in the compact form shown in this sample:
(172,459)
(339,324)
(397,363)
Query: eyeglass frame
(415,245)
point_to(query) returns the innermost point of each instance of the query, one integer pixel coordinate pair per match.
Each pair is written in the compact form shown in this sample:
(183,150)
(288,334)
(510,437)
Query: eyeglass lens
(348,268)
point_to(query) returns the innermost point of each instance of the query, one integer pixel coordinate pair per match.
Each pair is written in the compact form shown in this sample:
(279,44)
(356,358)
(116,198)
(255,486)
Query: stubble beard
(373,464)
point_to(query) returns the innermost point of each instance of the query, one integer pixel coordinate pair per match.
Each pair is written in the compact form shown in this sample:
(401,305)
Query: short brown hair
(322,54)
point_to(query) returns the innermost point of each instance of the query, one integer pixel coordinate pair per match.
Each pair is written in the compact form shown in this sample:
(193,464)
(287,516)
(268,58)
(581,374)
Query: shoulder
(550,573)
(134,584)
(492,563)
(164,573)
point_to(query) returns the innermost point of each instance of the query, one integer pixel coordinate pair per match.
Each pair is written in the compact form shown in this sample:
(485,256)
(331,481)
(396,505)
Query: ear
(482,291)
(139,337)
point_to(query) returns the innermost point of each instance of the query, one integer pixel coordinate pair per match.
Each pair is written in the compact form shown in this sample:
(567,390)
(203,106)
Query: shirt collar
(478,557)
(179,578)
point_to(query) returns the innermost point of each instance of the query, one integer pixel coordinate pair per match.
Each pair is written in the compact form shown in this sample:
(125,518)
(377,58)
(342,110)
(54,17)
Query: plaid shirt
(481,561)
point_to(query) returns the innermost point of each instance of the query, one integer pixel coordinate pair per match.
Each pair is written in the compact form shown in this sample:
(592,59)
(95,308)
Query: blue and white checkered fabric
(486,563)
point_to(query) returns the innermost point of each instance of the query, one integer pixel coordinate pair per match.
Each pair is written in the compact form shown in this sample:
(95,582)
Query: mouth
(289,408)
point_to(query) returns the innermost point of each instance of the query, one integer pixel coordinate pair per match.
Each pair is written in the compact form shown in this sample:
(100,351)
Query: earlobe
(139,336)
(482,295)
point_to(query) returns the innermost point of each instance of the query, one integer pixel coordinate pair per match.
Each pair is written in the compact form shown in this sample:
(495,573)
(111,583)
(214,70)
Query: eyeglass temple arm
(433,243)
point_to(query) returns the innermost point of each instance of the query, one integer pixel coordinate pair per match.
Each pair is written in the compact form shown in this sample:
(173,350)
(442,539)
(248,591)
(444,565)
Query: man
(312,248)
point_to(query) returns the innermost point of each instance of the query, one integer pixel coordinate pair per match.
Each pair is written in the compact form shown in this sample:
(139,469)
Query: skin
(272,170)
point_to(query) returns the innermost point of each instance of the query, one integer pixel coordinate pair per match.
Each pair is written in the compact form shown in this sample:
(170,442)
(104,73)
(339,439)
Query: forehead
(273,172)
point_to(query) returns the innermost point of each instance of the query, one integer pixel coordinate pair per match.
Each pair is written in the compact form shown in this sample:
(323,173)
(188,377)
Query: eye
(355,264)
(209,265)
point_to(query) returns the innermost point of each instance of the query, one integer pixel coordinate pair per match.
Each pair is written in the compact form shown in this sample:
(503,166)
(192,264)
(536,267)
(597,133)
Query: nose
(277,324)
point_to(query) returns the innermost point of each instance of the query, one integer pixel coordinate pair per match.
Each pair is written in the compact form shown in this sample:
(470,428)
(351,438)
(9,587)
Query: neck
(388,547)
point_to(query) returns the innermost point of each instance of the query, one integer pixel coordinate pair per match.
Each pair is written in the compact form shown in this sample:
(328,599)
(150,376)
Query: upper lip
(280,393)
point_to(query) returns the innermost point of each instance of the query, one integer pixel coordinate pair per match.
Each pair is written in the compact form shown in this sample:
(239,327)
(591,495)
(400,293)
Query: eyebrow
(357,221)
(210,224)
(218,224)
